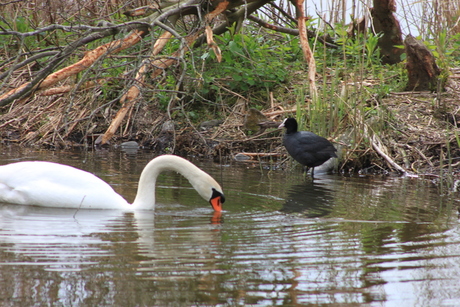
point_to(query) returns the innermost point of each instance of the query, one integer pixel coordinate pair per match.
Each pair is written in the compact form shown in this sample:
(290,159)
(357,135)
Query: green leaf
(234,48)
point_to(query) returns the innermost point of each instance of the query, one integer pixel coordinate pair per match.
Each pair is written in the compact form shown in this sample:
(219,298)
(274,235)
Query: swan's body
(49,184)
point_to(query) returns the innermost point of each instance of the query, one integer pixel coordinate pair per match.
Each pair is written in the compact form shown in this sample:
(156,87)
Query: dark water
(282,241)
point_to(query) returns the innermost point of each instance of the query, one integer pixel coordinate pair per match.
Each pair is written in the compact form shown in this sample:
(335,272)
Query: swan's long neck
(145,198)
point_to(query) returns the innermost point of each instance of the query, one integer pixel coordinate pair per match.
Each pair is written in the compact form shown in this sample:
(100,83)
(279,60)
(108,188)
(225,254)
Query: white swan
(49,184)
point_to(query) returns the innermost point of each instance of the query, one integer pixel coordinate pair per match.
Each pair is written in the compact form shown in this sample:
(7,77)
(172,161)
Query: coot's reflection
(313,199)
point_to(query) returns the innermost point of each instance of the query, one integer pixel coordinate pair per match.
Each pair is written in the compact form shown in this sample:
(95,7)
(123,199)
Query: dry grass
(423,136)
(73,119)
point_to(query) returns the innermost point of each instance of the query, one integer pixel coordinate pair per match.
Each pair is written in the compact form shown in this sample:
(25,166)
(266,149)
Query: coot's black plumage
(306,147)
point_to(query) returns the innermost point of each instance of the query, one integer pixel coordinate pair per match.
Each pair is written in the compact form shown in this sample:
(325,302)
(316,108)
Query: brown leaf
(212,44)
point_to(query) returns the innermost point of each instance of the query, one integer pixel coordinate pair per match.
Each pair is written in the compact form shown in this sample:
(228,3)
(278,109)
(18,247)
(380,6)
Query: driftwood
(421,66)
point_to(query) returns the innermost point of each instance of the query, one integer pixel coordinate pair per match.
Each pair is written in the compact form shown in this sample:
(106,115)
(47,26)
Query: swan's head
(209,189)
(217,199)
(205,185)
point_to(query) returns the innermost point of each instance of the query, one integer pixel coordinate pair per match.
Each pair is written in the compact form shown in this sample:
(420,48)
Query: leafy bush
(248,62)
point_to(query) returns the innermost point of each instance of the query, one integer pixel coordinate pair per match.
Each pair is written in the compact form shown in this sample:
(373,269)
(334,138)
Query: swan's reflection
(31,230)
(76,248)
(313,198)
(70,238)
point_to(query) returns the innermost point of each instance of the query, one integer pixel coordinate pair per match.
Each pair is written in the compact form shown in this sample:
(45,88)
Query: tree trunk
(421,66)
(386,23)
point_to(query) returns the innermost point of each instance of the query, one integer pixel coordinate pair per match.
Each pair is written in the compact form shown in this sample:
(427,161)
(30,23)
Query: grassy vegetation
(351,79)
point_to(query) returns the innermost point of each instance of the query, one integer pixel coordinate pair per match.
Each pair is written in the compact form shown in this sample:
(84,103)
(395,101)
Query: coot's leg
(305,171)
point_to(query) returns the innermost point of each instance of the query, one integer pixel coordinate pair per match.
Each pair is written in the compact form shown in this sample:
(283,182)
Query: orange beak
(216,203)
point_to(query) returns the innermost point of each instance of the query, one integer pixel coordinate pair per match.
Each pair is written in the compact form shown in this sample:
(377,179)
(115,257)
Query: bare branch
(290,31)
(54,62)
(113,28)
(27,61)
(232,18)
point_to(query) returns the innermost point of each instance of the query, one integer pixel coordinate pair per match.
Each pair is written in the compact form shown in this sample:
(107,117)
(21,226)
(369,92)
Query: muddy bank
(418,134)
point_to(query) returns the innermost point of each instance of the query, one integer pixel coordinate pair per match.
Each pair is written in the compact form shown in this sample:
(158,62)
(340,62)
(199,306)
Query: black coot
(306,147)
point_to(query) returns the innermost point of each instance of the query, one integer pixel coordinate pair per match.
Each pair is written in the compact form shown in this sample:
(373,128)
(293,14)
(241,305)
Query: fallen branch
(379,150)
(131,96)
(89,58)
(67,88)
